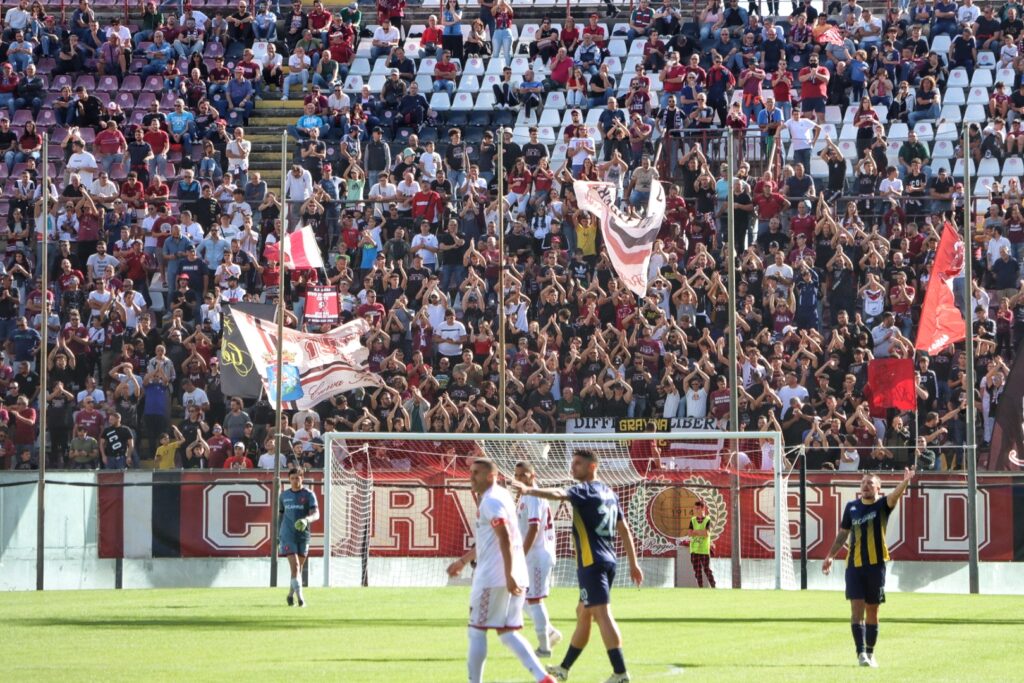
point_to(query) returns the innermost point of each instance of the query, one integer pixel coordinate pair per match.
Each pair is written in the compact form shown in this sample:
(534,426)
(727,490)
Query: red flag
(942,323)
(891,384)
(832,35)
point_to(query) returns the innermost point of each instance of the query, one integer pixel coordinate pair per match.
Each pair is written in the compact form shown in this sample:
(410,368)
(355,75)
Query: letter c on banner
(247,503)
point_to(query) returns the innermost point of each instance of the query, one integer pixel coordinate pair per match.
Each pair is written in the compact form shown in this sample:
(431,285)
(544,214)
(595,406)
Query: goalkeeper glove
(301,524)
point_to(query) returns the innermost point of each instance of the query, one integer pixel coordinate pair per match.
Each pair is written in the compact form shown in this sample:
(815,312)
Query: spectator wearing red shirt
(220,448)
(158,139)
(109,146)
(372,311)
(595,29)
(813,88)
(672,77)
(238,459)
(427,206)
(769,204)
(803,222)
(91,420)
(8,85)
(445,74)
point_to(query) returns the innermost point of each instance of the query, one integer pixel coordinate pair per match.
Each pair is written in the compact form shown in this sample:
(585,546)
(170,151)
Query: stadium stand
(165,125)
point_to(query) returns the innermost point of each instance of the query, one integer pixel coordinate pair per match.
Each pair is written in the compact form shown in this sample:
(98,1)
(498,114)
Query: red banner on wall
(228,514)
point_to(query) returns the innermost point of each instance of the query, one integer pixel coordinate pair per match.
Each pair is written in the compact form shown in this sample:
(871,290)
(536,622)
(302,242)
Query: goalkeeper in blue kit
(298,510)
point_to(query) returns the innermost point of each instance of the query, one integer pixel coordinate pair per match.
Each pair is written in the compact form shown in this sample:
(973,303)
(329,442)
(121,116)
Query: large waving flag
(629,240)
(942,323)
(891,382)
(315,366)
(238,376)
(300,250)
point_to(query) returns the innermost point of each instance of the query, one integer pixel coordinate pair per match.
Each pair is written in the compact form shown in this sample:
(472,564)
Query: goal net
(399,509)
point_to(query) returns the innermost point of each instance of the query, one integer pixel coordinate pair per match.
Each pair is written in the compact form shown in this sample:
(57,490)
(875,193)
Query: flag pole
(971,447)
(501,318)
(734,411)
(44,331)
(275,489)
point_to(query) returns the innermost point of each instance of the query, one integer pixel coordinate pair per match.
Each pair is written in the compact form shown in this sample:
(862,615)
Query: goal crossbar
(330,438)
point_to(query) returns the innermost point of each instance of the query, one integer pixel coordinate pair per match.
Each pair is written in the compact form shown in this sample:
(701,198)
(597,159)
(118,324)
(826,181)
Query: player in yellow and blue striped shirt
(596,521)
(863,524)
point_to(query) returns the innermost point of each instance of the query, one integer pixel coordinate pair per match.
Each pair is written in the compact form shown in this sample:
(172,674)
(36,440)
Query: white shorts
(539,568)
(495,608)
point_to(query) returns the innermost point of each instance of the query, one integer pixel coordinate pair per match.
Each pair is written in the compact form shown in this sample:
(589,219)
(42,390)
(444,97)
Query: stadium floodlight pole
(275,487)
(44,331)
(971,447)
(734,410)
(502,321)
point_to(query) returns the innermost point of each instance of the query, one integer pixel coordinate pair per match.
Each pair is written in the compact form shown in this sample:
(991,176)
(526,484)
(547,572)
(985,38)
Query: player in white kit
(537,526)
(497,596)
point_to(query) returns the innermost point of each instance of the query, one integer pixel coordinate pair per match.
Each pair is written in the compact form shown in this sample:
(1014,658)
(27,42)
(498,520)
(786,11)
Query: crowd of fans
(157,222)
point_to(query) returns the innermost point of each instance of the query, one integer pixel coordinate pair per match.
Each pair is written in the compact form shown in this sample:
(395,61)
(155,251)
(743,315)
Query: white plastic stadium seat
(951,112)
(943,149)
(898,131)
(834,114)
(982,78)
(376,82)
(617,48)
(1007,77)
(474,67)
(381,66)
(983,186)
(360,67)
(977,95)
(958,78)
(440,101)
(463,102)
(989,167)
(924,132)
(555,100)
(958,167)
(986,59)
(946,130)
(551,118)
(427,65)
(954,96)
(941,44)
(469,84)
(975,114)
(1013,167)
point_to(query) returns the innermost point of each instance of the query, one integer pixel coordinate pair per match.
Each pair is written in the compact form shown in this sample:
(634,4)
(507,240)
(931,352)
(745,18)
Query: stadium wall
(73,559)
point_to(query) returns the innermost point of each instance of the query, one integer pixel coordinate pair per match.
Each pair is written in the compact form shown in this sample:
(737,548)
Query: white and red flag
(629,239)
(315,366)
(942,323)
(300,250)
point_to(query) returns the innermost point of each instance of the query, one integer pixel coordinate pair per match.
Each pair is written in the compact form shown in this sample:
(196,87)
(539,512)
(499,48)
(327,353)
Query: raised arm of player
(505,546)
(894,497)
(549,494)
(840,541)
(455,568)
(635,572)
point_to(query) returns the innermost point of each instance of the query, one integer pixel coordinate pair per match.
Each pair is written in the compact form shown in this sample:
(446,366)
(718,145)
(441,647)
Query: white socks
(477,654)
(541,624)
(524,653)
(295,589)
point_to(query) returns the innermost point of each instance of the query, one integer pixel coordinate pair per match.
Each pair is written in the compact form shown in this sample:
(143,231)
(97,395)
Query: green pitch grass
(418,636)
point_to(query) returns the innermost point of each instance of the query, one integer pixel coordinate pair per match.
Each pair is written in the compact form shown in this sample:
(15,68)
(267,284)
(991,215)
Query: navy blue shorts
(596,584)
(815,104)
(292,542)
(866,583)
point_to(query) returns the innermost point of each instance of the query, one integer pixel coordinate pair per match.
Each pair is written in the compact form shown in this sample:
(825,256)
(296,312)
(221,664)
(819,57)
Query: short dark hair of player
(525,466)
(699,503)
(486,462)
(294,470)
(586,454)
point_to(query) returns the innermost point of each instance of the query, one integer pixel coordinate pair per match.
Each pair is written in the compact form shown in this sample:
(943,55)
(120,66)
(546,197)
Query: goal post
(398,508)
